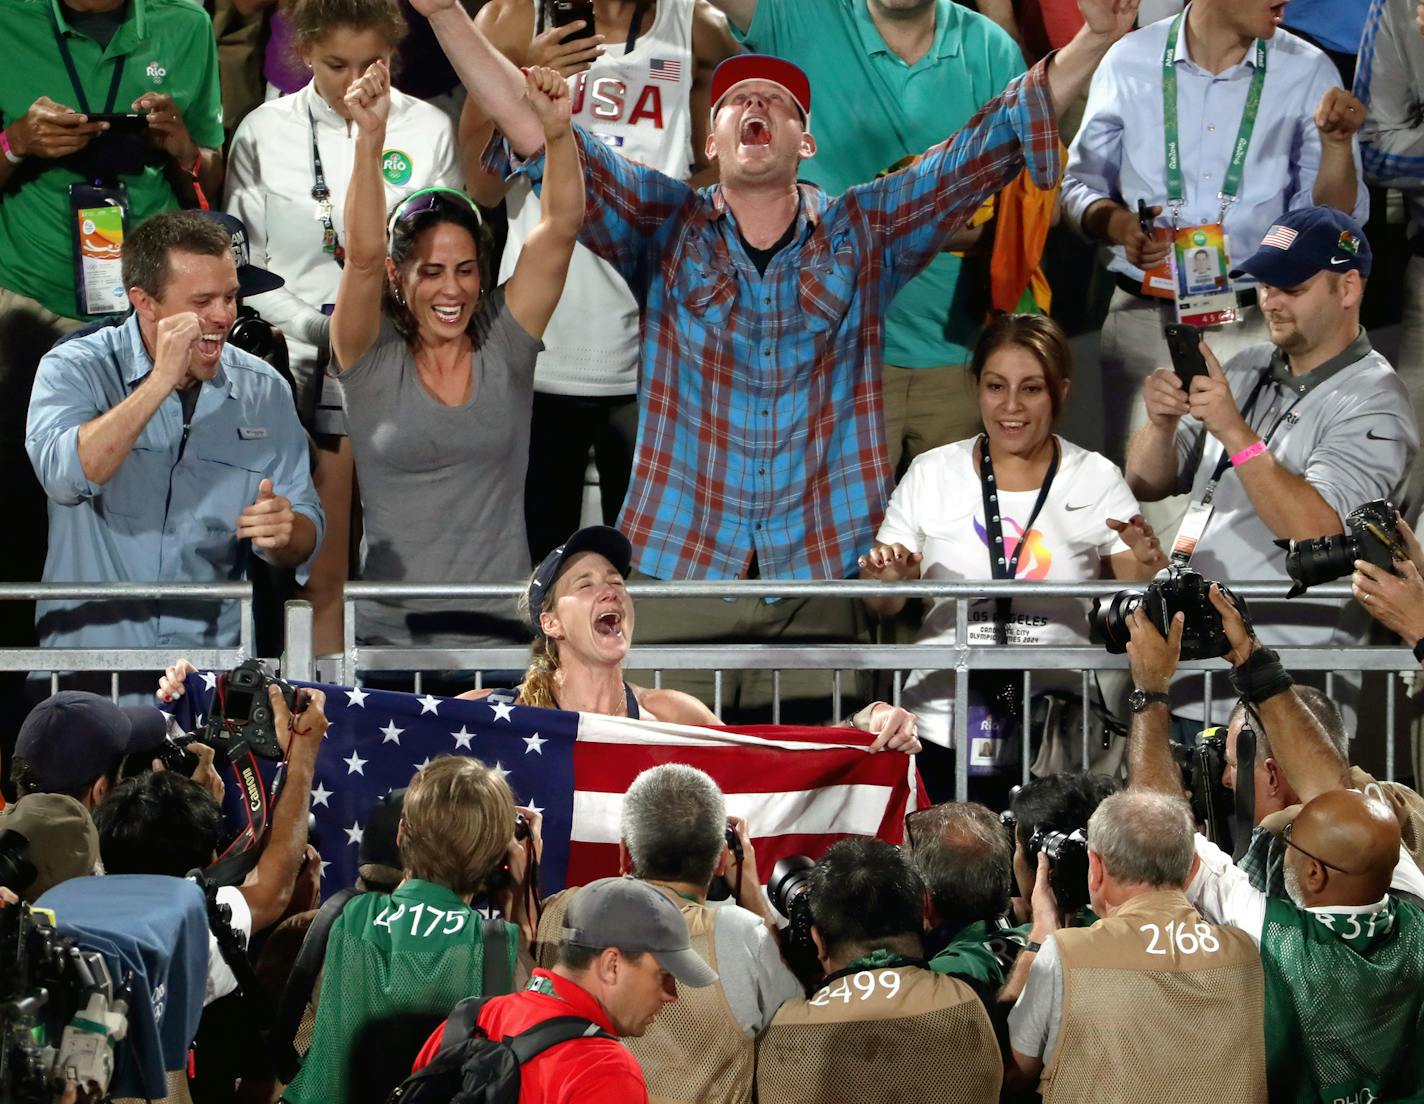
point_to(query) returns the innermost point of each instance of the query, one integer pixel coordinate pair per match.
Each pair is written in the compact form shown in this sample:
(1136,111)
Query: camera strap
(321,193)
(241,855)
(999,565)
(1245,819)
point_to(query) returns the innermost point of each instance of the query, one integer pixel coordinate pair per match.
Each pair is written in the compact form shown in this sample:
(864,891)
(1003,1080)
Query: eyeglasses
(428,199)
(1286,833)
(912,821)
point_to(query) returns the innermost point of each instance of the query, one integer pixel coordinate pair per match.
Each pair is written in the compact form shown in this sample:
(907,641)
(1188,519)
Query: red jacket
(581,1071)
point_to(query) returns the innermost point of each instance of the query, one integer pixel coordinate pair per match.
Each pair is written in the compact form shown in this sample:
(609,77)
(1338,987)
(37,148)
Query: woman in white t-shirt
(1064,514)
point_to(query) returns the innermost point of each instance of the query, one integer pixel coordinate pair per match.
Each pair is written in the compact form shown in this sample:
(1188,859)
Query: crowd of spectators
(326,290)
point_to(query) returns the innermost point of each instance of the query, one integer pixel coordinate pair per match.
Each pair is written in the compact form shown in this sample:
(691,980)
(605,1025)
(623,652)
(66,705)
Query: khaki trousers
(926,408)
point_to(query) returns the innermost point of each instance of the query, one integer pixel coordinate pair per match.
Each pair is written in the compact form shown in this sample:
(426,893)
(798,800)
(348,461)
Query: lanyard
(330,243)
(1231,185)
(1246,412)
(74,72)
(994,533)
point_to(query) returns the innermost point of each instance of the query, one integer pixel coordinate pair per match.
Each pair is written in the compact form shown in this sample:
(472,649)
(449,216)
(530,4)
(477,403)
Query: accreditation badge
(1190,532)
(1205,296)
(98,216)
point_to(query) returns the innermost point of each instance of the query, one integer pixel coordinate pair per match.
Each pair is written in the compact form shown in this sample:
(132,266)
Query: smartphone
(133,124)
(571,11)
(1187,359)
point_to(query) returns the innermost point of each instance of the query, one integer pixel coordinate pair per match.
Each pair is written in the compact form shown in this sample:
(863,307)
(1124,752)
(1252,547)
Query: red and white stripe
(1280,237)
(799,789)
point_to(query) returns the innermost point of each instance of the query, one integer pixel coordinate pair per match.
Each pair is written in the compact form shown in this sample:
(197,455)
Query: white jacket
(269,186)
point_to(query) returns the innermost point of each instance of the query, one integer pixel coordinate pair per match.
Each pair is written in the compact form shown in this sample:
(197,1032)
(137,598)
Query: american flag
(800,789)
(665,69)
(1280,236)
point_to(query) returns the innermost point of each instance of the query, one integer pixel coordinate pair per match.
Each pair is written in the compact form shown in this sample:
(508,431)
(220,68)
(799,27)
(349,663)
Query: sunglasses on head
(429,199)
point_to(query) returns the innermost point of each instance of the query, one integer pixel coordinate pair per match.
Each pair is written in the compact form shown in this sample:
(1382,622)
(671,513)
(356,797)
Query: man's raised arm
(1153,660)
(492,80)
(1311,763)
(1104,22)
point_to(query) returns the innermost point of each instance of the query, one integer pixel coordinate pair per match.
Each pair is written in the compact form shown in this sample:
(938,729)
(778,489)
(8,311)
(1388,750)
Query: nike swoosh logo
(1342,260)
(1371,434)
(1085,505)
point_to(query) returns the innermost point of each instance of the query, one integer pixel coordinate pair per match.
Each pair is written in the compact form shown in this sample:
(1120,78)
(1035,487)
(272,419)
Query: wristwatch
(1140,699)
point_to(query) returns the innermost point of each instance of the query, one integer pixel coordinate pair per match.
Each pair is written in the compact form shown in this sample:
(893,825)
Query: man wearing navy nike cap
(1295,434)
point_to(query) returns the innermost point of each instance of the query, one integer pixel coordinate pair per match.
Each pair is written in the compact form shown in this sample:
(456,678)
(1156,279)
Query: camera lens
(17,872)
(1323,559)
(1107,621)
(790,877)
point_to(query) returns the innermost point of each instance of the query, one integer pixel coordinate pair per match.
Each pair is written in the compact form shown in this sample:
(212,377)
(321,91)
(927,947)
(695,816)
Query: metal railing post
(298,652)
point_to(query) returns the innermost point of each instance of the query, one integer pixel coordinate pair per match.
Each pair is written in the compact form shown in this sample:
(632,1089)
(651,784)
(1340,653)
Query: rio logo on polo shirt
(156,72)
(396,166)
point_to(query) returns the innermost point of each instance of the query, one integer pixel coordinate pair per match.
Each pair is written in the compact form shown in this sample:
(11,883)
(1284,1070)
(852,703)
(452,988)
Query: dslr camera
(1369,535)
(1067,865)
(788,889)
(241,714)
(1174,590)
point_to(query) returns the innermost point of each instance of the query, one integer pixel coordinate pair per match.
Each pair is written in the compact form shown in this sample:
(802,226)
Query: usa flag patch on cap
(1280,236)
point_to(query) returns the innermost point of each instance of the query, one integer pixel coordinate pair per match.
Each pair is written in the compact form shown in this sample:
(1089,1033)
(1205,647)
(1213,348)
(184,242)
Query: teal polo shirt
(168,46)
(869,110)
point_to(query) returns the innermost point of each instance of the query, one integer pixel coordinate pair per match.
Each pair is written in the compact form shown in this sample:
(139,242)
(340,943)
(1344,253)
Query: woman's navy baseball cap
(1304,242)
(607,542)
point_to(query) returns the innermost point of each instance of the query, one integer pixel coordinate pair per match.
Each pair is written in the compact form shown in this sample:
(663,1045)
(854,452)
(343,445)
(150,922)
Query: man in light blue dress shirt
(167,454)
(1299,152)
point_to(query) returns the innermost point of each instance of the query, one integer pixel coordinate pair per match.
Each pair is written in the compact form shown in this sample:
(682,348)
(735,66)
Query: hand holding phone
(1184,345)
(565,12)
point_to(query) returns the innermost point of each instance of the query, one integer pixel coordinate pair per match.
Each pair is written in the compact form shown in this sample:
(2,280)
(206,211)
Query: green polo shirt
(869,111)
(168,46)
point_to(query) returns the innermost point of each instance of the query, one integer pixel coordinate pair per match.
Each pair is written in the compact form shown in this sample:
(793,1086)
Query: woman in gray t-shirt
(438,372)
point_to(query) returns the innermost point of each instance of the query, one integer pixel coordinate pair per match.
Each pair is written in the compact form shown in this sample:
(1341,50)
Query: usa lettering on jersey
(607,100)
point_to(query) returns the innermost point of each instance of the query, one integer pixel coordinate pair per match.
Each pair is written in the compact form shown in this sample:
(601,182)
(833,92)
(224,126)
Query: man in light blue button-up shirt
(166,452)
(1301,152)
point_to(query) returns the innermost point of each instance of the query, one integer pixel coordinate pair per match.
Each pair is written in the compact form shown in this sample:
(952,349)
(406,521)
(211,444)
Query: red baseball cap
(741,68)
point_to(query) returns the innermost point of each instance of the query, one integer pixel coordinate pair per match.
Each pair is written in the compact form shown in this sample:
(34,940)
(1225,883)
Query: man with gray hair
(965,855)
(675,836)
(1100,1001)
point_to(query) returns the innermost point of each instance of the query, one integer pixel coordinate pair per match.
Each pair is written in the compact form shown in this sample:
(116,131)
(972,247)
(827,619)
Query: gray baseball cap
(634,917)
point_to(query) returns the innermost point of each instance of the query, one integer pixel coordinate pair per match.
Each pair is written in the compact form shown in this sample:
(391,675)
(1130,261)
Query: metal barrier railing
(961,658)
(112,661)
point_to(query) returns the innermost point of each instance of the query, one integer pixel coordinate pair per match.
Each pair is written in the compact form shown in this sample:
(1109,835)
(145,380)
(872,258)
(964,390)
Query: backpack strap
(461,1022)
(496,976)
(550,1033)
(300,984)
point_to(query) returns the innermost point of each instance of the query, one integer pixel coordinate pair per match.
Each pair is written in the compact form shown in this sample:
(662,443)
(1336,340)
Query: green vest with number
(1344,1004)
(419,950)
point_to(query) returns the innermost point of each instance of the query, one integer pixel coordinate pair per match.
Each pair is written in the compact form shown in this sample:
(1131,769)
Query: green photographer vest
(419,950)
(1344,1003)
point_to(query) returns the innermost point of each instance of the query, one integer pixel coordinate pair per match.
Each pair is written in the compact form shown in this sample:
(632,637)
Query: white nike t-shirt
(938,510)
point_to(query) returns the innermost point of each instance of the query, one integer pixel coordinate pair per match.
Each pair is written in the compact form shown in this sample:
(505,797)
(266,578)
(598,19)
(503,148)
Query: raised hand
(369,98)
(1141,539)
(177,336)
(1212,403)
(1144,250)
(166,128)
(170,685)
(1165,398)
(890,563)
(50,129)
(1234,625)
(1393,598)
(894,729)
(1152,657)
(268,522)
(549,96)
(1339,116)
(550,51)
(1109,18)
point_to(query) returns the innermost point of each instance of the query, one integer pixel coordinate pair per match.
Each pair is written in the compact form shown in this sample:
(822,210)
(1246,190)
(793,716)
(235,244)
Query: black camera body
(1369,535)
(1212,804)
(1067,865)
(788,890)
(1174,590)
(241,714)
